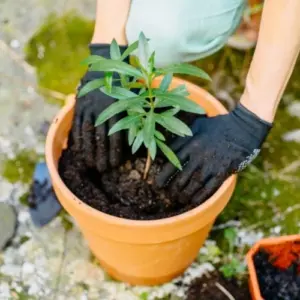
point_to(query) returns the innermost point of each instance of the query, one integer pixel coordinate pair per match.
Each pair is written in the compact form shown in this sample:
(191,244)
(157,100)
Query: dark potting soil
(214,286)
(122,192)
(279,275)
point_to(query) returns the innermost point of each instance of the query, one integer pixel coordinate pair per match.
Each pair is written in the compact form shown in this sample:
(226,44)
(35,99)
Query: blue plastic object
(43,203)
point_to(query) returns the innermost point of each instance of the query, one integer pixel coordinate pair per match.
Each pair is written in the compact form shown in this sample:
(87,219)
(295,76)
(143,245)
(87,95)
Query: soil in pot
(278,271)
(122,192)
(214,286)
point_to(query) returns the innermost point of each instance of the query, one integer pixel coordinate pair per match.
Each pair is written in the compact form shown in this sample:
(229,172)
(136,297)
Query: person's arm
(274,59)
(111,18)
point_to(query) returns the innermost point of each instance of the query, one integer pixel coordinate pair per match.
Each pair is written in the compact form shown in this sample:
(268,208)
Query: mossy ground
(57,49)
(263,192)
(20,168)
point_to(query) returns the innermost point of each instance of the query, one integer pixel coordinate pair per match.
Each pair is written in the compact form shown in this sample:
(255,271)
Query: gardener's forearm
(275,57)
(111,18)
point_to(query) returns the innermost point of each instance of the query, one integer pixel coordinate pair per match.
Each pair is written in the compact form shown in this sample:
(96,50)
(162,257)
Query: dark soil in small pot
(278,271)
(214,286)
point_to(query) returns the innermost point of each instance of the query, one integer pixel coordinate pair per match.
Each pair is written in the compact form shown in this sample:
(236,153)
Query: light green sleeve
(184,30)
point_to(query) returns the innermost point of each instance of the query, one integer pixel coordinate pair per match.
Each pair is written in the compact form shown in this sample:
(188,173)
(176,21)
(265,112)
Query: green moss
(21,295)
(24,199)
(65,220)
(57,49)
(83,285)
(24,239)
(20,168)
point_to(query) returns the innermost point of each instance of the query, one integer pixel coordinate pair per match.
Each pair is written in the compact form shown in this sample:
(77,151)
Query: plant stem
(148,164)
(148,161)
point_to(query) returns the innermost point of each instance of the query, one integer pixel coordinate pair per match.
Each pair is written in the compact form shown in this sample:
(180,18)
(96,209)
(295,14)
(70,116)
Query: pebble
(8,222)
(292,136)
(140,165)
(294,109)
(28,268)
(128,165)
(15,44)
(134,174)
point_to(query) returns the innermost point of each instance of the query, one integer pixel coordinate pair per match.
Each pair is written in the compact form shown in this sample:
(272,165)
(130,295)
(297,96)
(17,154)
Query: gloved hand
(97,148)
(220,146)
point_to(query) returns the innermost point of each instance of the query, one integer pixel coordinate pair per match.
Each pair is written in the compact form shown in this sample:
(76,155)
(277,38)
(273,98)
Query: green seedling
(142,117)
(233,266)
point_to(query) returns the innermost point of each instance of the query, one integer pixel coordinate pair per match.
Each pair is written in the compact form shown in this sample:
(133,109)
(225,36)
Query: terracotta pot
(139,252)
(264,243)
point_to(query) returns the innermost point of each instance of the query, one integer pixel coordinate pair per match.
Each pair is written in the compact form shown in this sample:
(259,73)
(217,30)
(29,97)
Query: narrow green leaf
(149,128)
(152,148)
(119,93)
(124,123)
(136,85)
(136,109)
(92,59)
(124,80)
(132,104)
(142,91)
(90,86)
(116,108)
(157,102)
(171,112)
(115,52)
(173,124)
(133,129)
(138,141)
(169,99)
(151,62)
(108,81)
(159,135)
(185,69)
(134,61)
(131,48)
(165,83)
(169,154)
(143,51)
(115,66)
(180,90)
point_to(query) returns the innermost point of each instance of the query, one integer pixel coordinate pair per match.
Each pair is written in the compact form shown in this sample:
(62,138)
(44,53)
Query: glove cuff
(246,111)
(257,128)
(104,50)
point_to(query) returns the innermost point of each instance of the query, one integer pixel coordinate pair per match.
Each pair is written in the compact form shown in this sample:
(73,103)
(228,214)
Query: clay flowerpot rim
(122,221)
(263,243)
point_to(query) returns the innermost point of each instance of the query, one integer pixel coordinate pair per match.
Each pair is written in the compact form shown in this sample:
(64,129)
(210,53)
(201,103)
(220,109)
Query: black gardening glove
(97,148)
(220,146)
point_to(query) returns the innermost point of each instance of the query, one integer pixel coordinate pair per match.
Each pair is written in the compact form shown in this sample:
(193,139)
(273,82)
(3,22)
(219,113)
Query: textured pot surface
(264,243)
(139,252)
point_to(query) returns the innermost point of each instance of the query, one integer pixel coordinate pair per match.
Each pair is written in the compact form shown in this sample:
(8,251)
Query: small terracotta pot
(264,243)
(139,252)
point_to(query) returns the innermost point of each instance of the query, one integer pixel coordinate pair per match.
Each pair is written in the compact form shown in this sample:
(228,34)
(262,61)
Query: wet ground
(39,65)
